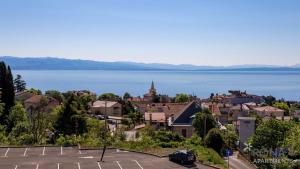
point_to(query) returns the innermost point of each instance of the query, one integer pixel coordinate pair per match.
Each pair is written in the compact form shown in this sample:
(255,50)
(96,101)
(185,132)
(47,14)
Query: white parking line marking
(25,152)
(138,164)
(78,165)
(37,166)
(44,151)
(61,150)
(99,165)
(5,155)
(90,157)
(16,166)
(119,164)
(58,165)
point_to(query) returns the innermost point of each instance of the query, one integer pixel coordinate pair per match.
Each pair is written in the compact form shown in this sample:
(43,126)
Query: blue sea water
(281,84)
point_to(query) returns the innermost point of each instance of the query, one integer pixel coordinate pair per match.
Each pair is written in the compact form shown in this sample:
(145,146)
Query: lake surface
(281,84)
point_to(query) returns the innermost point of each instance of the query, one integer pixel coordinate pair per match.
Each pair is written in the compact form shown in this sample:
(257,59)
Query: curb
(208,165)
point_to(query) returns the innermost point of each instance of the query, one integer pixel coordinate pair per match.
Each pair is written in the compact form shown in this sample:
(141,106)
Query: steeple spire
(152,86)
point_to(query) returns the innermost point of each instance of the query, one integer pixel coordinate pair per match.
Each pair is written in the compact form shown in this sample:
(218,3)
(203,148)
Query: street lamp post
(105,132)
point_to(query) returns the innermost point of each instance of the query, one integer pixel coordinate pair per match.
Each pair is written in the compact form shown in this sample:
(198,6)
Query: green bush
(214,140)
(69,140)
(167,136)
(195,140)
(3,138)
(207,155)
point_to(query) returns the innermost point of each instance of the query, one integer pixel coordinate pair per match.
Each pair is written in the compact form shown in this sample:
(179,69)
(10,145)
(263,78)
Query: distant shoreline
(179,70)
(50,63)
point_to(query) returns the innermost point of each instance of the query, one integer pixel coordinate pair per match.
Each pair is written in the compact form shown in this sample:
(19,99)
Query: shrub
(69,140)
(195,140)
(214,140)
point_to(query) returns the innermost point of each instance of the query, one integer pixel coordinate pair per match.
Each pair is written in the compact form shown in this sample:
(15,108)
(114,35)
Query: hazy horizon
(57,57)
(208,33)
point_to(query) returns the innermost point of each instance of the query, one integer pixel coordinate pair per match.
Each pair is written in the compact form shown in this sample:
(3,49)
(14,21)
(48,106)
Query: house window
(183,132)
(116,110)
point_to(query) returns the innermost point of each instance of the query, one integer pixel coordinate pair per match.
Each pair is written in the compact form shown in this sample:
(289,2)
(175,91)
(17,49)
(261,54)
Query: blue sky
(210,32)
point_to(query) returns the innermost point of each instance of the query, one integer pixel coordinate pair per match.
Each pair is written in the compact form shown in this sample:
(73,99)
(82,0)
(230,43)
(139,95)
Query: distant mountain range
(51,63)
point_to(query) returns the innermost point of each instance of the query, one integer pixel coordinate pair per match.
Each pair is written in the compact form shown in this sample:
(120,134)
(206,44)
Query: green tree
(34,91)
(214,140)
(109,97)
(17,115)
(39,120)
(56,95)
(135,117)
(292,141)
(7,91)
(269,100)
(86,99)
(230,136)
(3,138)
(71,117)
(182,98)
(127,107)
(21,134)
(1,106)
(20,84)
(270,134)
(126,96)
(295,106)
(284,106)
(203,122)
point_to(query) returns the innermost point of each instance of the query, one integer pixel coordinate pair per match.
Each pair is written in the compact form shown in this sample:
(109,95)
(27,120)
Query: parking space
(33,151)
(52,151)
(14,152)
(72,158)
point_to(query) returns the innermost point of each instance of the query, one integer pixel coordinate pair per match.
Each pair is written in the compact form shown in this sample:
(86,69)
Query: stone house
(109,107)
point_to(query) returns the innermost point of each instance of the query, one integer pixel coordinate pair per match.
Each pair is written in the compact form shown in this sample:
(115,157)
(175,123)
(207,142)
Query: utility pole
(105,132)
(204,131)
(228,162)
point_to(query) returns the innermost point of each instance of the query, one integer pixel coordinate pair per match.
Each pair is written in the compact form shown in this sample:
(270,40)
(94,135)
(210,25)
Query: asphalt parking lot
(73,158)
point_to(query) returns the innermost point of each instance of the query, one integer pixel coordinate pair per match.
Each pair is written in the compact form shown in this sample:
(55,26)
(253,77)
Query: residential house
(269,111)
(22,96)
(44,103)
(156,119)
(108,108)
(227,113)
(237,97)
(297,114)
(157,114)
(183,123)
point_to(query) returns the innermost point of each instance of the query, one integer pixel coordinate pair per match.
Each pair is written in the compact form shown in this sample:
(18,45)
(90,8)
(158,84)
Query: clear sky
(200,32)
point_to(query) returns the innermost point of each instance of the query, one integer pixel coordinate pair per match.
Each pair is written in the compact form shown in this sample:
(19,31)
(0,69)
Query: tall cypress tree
(7,90)
(10,102)
(2,87)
